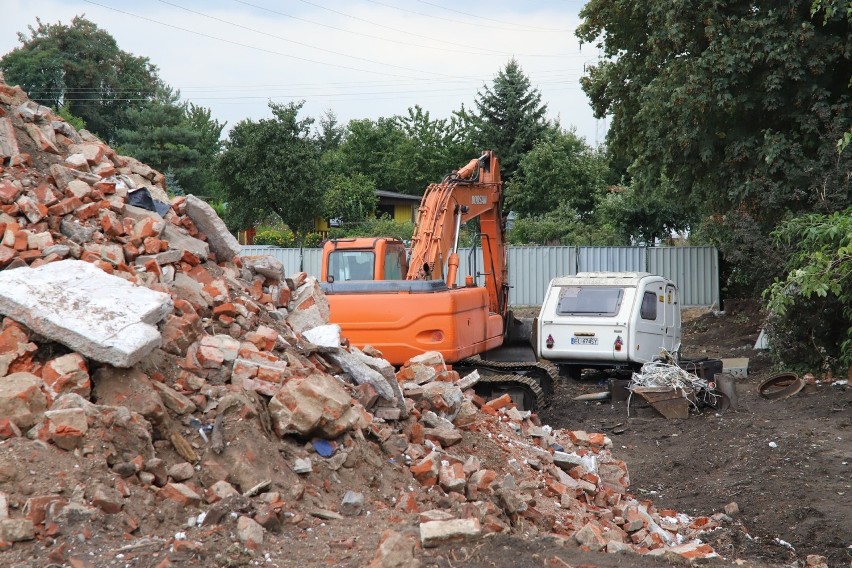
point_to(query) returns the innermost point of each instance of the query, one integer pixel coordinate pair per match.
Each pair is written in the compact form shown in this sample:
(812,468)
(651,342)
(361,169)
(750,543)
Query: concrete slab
(736,366)
(72,302)
(221,241)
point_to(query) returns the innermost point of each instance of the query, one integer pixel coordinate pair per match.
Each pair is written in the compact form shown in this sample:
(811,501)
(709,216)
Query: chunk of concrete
(21,399)
(221,241)
(310,307)
(362,373)
(433,533)
(72,302)
(180,241)
(317,404)
(324,336)
(267,266)
(352,504)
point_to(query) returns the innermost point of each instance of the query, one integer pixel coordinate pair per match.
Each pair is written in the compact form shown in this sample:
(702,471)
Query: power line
(481,17)
(552,76)
(362,34)
(513,27)
(299,42)
(246,45)
(461,88)
(345,15)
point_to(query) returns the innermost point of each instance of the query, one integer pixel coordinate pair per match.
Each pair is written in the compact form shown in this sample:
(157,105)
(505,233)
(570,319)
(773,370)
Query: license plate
(584,341)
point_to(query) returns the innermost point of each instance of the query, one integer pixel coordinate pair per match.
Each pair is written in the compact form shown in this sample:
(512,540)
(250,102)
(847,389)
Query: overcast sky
(359,59)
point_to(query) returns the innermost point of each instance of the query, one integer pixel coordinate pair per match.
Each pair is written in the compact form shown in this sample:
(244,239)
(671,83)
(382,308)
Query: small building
(400,207)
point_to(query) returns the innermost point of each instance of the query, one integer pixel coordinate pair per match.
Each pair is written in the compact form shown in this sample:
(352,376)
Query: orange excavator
(404,308)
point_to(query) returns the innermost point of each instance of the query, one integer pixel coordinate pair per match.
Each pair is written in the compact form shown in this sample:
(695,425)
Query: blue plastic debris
(323,447)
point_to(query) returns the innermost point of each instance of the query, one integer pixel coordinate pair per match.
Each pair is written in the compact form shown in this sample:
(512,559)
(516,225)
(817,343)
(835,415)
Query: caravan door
(650,323)
(671,340)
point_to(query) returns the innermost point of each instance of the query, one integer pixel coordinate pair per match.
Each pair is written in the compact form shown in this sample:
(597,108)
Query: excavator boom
(474,191)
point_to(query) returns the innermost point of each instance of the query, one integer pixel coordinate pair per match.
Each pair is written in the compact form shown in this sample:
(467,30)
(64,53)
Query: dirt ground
(794,499)
(785,463)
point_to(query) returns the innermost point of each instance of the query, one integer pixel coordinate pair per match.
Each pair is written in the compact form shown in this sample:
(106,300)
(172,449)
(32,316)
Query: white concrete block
(72,302)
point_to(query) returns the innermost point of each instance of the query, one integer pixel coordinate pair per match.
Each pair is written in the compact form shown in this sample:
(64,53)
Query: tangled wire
(665,373)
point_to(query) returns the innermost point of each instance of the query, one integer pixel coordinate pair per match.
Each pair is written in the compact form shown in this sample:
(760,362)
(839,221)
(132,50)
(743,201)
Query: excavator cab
(380,258)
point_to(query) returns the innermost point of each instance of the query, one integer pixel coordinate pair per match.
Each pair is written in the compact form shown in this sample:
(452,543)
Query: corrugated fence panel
(470,262)
(312,261)
(695,269)
(532,268)
(611,259)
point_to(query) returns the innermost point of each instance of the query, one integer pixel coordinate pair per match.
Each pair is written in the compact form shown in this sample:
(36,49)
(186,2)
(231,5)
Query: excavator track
(535,380)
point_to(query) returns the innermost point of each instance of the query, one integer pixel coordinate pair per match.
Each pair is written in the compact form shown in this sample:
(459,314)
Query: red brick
(500,402)
(181,494)
(64,207)
(8,192)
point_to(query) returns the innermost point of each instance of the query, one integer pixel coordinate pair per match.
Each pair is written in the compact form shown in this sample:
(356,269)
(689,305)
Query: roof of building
(395,195)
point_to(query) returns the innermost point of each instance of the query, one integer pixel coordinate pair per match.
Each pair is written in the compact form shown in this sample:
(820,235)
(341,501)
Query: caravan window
(589,301)
(649,306)
(351,265)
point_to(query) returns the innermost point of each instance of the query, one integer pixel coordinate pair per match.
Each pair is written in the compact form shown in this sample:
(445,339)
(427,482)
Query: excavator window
(351,265)
(394,264)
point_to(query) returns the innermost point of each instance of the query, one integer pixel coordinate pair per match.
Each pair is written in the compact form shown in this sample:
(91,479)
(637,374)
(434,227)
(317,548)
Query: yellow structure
(399,206)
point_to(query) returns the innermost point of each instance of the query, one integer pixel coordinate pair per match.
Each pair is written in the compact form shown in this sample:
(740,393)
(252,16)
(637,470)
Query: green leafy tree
(559,170)
(436,147)
(377,227)
(402,153)
(644,217)
(351,198)
(737,105)
(562,225)
(811,308)
(378,150)
(79,68)
(272,166)
(330,134)
(509,117)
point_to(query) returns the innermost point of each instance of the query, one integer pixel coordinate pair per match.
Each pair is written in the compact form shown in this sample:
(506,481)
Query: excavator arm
(474,191)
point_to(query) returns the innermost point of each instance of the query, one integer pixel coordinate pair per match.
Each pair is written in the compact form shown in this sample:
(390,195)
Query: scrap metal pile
(163,398)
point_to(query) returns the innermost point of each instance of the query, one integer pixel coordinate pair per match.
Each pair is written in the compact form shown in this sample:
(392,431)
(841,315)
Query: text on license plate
(584,341)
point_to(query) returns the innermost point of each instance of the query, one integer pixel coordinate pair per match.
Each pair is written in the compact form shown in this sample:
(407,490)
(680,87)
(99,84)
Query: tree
(330,133)
(644,217)
(510,117)
(562,226)
(351,198)
(378,150)
(811,307)
(437,147)
(272,166)
(175,137)
(161,137)
(738,105)
(209,130)
(559,169)
(79,68)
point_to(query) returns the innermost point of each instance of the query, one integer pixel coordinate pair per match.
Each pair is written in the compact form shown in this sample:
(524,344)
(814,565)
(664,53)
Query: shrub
(275,237)
(810,322)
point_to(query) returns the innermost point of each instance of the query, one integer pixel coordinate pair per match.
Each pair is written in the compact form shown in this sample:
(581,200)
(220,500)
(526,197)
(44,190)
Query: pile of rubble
(171,392)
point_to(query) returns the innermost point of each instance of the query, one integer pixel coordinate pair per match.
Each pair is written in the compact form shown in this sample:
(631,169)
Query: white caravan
(607,320)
